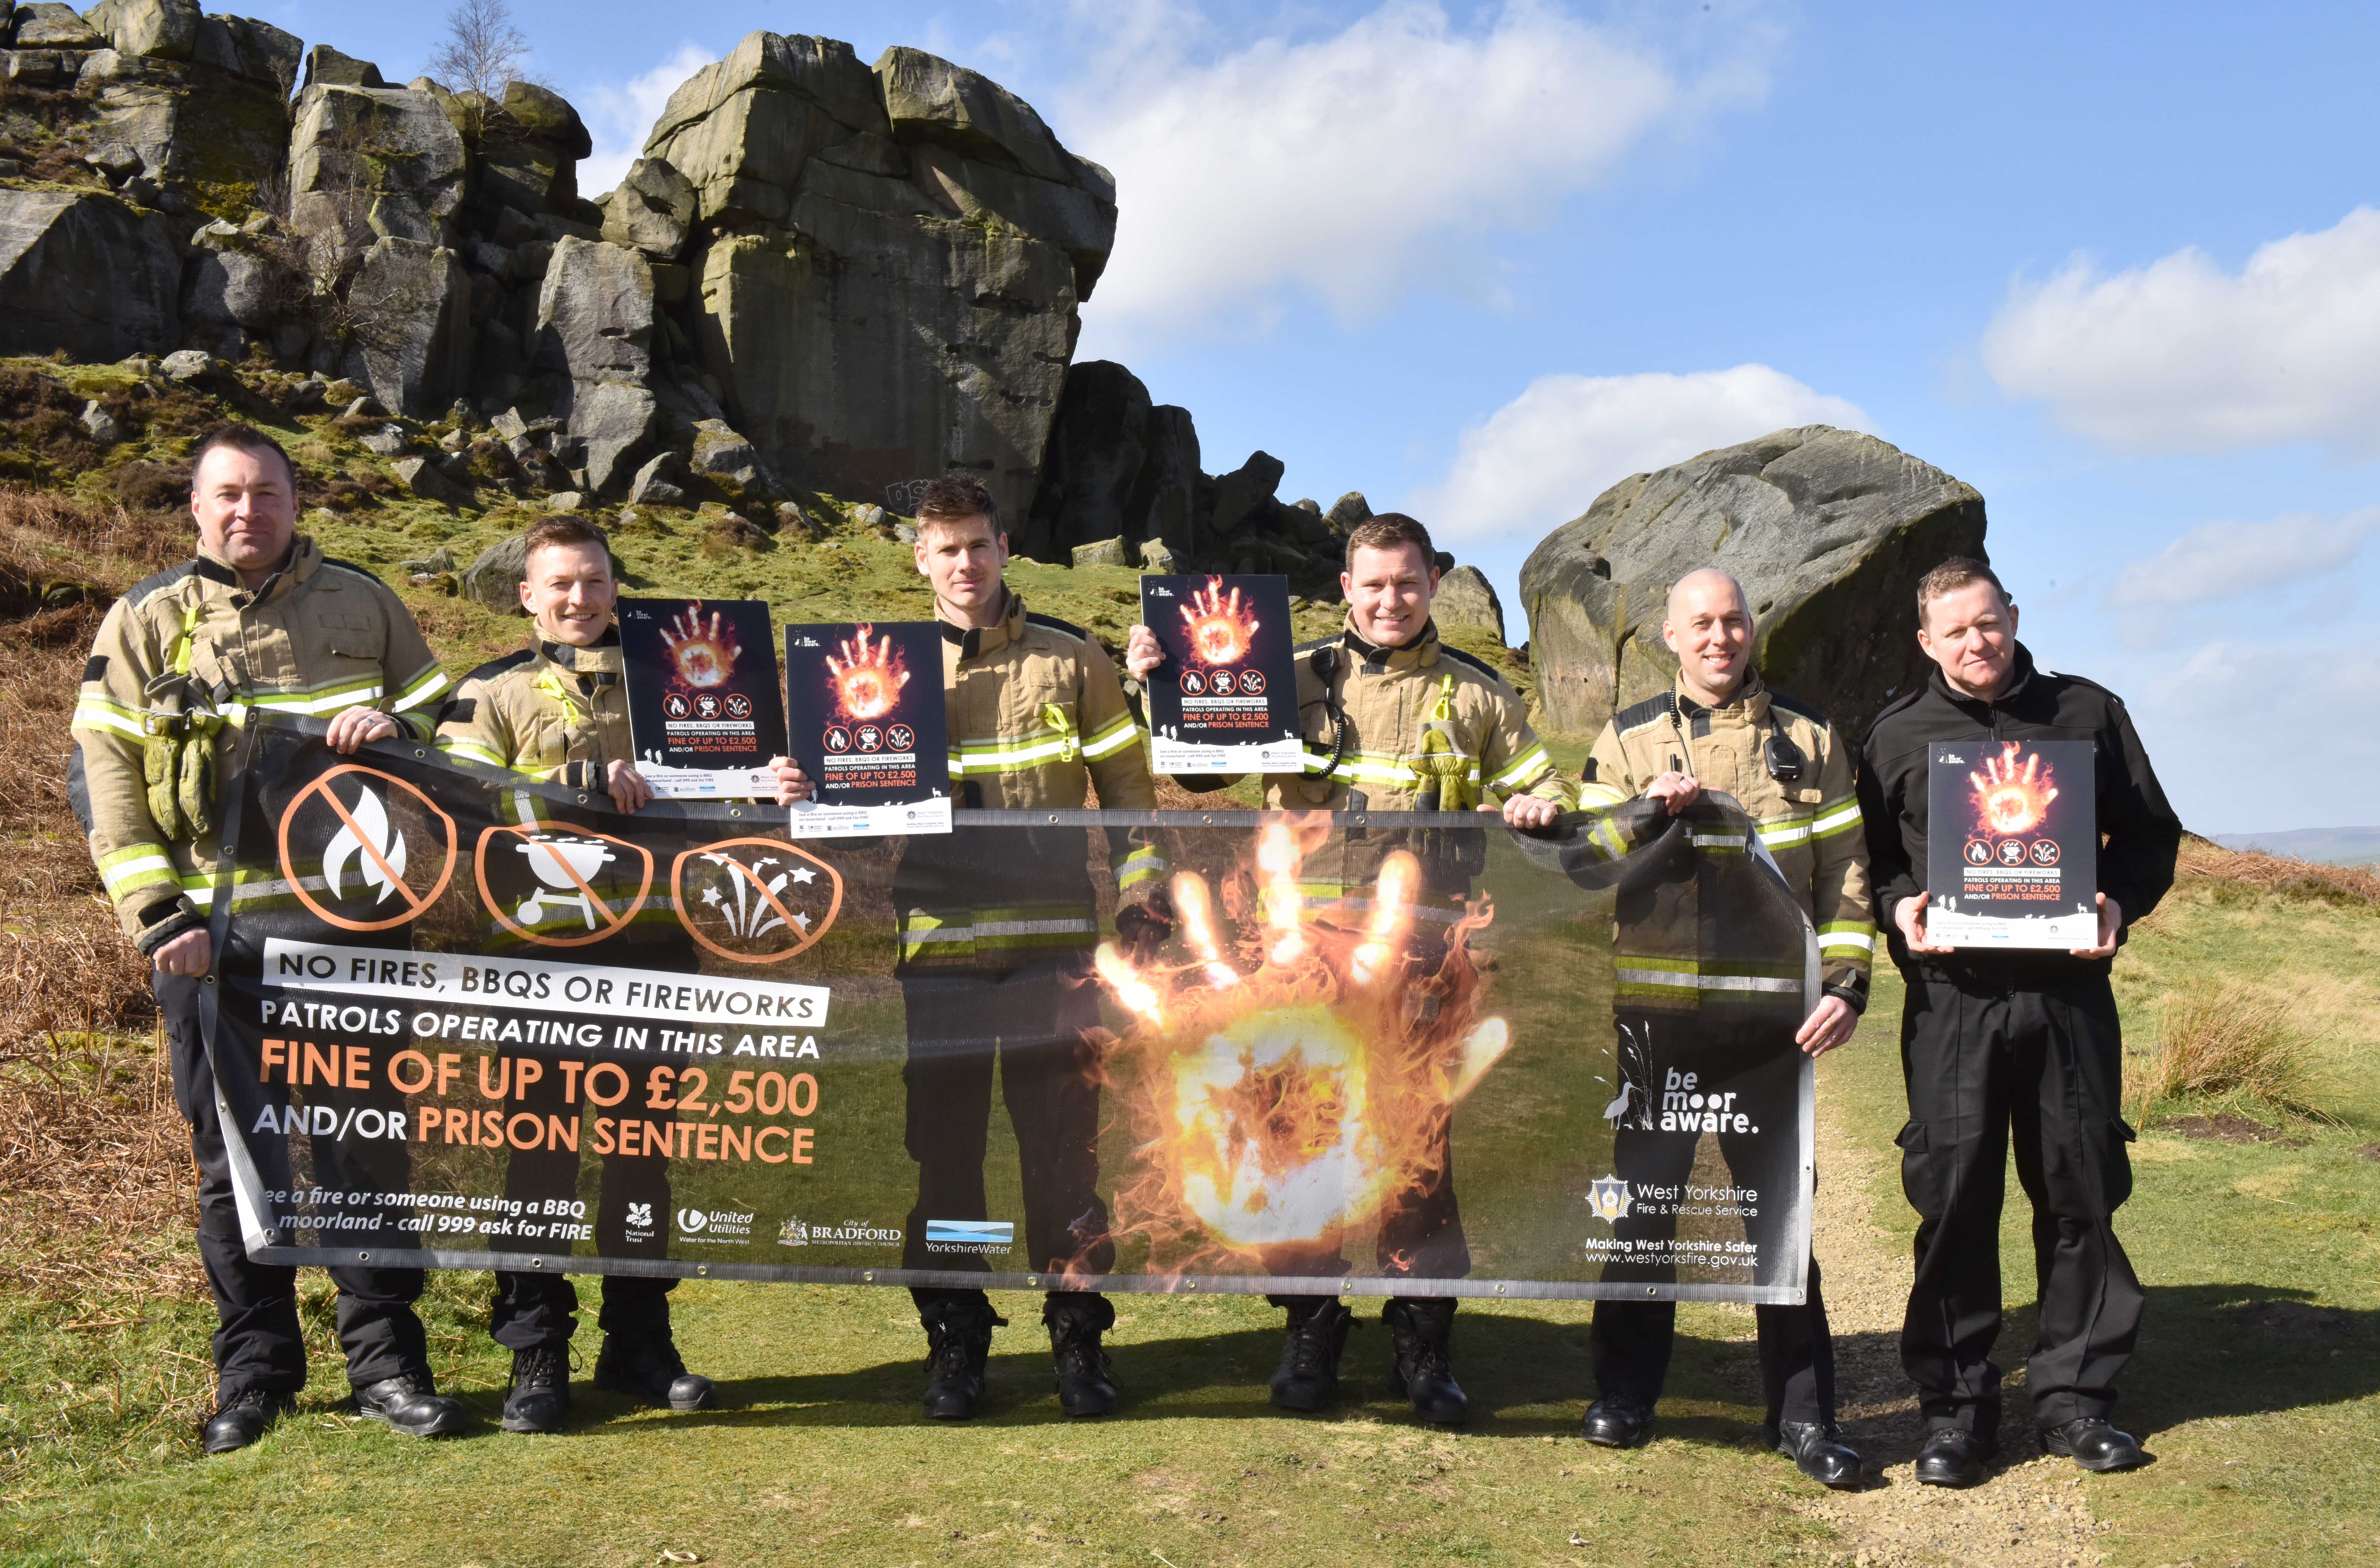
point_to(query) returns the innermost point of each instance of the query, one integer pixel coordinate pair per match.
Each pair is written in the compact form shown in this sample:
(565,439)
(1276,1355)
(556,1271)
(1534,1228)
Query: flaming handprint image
(704,655)
(2008,799)
(1292,1080)
(868,679)
(1222,632)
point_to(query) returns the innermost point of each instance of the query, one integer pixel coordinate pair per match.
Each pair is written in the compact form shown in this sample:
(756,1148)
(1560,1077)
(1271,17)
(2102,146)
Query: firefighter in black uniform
(2001,1040)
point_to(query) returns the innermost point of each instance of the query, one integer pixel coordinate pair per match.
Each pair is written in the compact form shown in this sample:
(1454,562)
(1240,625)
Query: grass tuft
(2225,1043)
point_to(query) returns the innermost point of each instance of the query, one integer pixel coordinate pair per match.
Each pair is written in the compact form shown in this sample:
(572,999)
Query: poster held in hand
(2013,851)
(868,728)
(704,711)
(1225,699)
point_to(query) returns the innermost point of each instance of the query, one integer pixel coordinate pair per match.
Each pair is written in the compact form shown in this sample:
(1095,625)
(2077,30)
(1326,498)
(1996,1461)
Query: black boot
(540,1396)
(243,1418)
(410,1403)
(1616,1421)
(649,1368)
(958,1343)
(1421,1332)
(1953,1456)
(1309,1373)
(1818,1451)
(1086,1383)
(2094,1443)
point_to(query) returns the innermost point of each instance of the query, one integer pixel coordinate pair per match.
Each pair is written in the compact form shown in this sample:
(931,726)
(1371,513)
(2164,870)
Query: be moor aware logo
(382,851)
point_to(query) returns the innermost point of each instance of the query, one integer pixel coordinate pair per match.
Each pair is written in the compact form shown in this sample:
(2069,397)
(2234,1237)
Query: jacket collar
(1419,654)
(296,567)
(601,661)
(2020,674)
(1751,699)
(974,642)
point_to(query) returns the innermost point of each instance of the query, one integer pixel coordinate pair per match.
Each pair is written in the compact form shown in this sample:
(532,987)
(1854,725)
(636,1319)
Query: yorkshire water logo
(1607,1198)
(970,1235)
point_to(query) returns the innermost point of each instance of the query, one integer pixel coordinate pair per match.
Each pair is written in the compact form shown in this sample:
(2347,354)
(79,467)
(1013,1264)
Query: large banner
(460,1020)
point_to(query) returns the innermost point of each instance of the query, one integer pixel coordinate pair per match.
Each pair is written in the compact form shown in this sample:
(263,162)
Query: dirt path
(2032,1514)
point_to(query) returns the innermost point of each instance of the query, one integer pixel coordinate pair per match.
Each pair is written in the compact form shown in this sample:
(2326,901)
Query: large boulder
(229,294)
(1465,598)
(527,155)
(367,163)
(831,234)
(409,317)
(165,30)
(652,211)
(246,47)
(1828,531)
(48,24)
(88,273)
(1092,465)
(595,312)
(1165,497)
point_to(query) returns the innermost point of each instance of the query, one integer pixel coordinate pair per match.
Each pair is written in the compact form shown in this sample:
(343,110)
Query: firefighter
(1395,720)
(1721,728)
(260,623)
(2009,1040)
(558,710)
(997,929)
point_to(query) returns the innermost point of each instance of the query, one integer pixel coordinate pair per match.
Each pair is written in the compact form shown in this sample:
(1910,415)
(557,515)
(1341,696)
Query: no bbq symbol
(560,887)
(375,843)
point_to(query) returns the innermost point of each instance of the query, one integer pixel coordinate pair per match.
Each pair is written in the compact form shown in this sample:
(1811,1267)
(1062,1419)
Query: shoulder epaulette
(1474,660)
(366,573)
(1801,709)
(496,666)
(1035,618)
(1652,710)
(161,581)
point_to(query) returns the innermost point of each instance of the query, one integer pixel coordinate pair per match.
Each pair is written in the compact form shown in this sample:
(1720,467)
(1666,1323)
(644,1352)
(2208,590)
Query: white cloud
(1542,458)
(2181,355)
(2218,561)
(1353,167)
(618,118)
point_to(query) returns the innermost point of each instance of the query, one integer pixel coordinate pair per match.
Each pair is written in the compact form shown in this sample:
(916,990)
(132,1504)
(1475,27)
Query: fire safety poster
(868,726)
(704,711)
(1225,700)
(2012,849)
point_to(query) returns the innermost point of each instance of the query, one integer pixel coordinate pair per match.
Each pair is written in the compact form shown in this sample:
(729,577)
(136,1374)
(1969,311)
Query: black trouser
(1983,1060)
(1631,1340)
(534,1309)
(258,1343)
(1031,1022)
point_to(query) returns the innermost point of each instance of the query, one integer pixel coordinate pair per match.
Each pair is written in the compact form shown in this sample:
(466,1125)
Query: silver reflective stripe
(1705,981)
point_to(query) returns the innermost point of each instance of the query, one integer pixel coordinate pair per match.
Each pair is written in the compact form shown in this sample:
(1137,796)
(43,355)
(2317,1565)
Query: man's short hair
(1390,530)
(1958,571)
(241,437)
(564,532)
(955,500)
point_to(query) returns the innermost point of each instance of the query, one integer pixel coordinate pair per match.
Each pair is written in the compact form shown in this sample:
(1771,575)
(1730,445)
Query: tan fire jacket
(1037,719)
(1382,727)
(1809,823)
(319,637)
(553,711)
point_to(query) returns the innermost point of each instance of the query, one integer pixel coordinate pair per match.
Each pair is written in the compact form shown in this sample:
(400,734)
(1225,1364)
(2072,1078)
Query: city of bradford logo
(1607,1197)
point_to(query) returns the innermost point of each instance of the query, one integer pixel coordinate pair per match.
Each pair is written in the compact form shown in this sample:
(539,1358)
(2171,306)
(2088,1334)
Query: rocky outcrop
(1828,531)
(409,315)
(1465,598)
(652,211)
(89,273)
(371,162)
(916,220)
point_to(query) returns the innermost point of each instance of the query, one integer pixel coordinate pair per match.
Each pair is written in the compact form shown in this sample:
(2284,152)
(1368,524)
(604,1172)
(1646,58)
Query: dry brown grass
(2223,1043)
(2204,860)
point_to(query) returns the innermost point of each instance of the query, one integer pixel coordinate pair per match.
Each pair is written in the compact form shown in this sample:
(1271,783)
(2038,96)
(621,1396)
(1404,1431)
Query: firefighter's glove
(195,785)
(1145,926)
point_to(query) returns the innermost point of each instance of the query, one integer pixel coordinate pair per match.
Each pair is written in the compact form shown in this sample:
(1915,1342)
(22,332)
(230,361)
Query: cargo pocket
(1920,1181)
(2113,1162)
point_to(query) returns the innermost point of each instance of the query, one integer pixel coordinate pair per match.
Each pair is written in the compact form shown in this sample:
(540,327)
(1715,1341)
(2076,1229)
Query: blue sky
(2110,264)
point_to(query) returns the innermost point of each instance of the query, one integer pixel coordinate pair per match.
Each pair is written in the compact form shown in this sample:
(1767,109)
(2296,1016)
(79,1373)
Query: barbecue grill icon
(562,868)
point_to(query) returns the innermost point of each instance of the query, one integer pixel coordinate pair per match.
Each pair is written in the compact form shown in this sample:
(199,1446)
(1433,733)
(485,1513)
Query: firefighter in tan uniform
(260,623)
(558,711)
(1722,730)
(997,929)
(1394,720)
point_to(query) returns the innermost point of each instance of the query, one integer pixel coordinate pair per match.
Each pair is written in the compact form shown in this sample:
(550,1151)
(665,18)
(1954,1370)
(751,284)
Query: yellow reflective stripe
(1836,821)
(1523,769)
(995,756)
(425,686)
(1850,936)
(337,699)
(1592,796)
(140,866)
(1112,739)
(98,713)
(471,750)
(1784,830)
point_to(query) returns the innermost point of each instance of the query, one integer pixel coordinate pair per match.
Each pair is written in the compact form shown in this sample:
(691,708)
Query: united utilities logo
(979,1237)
